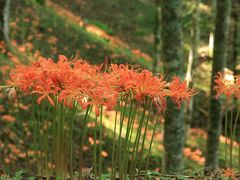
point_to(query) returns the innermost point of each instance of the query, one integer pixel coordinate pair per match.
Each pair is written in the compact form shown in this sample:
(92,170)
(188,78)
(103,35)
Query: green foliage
(102,26)
(59,35)
(17,176)
(40,2)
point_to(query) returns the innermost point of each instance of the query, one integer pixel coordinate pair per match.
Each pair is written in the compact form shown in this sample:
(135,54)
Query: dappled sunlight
(115,41)
(8,118)
(198,133)
(194,155)
(224,139)
(205,8)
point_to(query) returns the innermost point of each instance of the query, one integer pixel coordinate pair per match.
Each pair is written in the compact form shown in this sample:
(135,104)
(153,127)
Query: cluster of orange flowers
(96,85)
(228,85)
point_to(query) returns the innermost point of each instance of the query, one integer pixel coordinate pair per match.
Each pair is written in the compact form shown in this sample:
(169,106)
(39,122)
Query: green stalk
(34,125)
(234,132)
(238,154)
(70,139)
(130,140)
(58,167)
(235,123)
(127,139)
(95,150)
(120,138)
(226,146)
(117,152)
(150,147)
(136,144)
(87,114)
(100,145)
(47,139)
(61,137)
(144,137)
(113,150)
(40,141)
(54,134)
(231,137)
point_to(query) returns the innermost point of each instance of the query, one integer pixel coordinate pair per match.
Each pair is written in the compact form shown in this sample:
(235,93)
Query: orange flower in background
(224,85)
(237,87)
(179,92)
(8,118)
(229,173)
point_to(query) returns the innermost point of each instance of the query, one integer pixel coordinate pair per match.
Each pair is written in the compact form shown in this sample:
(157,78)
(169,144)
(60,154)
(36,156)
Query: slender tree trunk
(6,13)
(4,20)
(196,33)
(212,19)
(174,130)
(219,61)
(235,18)
(157,40)
(2,4)
(193,59)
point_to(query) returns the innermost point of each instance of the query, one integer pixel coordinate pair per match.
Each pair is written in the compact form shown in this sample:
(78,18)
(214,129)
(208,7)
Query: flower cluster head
(79,82)
(227,84)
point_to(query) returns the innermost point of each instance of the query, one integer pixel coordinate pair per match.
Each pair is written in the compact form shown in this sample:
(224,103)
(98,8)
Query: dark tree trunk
(193,61)
(235,25)
(4,20)
(6,13)
(174,130)
(2,4)
(157,38)
(219,61)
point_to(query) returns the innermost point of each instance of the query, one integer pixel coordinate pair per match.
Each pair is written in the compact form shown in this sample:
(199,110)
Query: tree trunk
(157,38)
(174,130)
(235,25)
(4,20)
(2,3)
(219,61)
(6,13)
(212,19)
(193,61)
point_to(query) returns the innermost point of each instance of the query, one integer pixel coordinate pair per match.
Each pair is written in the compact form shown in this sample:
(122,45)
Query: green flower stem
(117,152)
(126,140)
(57,121)
(143,141)
(226,146)
(234,132)
(40,141)
(113,150)
(34,126)
(239,155)
(136,144)
(69,140)
(150,147)
(235,123)
(101,142)
(131,134)
(84,132)
(95,150)
(54,134)
(231,139)
(122,115)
